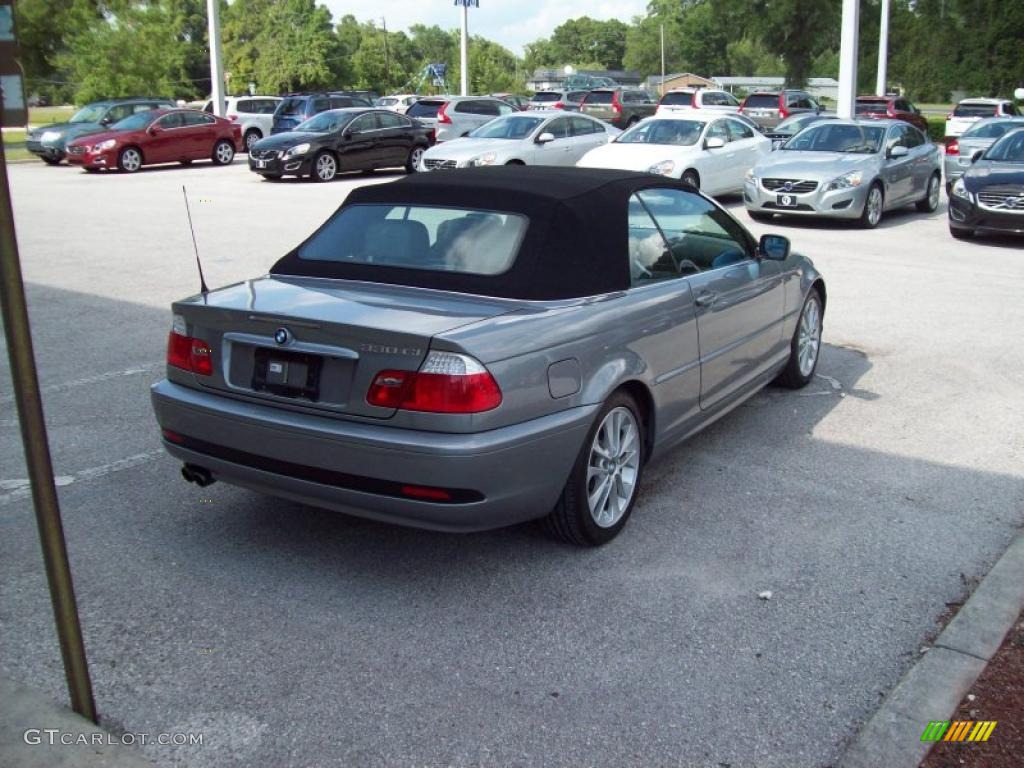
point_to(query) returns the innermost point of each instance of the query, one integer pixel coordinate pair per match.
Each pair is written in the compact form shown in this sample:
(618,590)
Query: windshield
(91,114)
(1009,149)
(512,127)
(419,237)
(135,122)
(856,139)
(677,132)
(992,129)
(325,122)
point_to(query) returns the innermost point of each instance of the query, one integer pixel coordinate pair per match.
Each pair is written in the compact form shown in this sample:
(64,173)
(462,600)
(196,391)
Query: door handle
(706,298)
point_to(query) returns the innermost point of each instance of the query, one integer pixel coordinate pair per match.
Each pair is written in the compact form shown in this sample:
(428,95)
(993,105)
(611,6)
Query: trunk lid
(319,343)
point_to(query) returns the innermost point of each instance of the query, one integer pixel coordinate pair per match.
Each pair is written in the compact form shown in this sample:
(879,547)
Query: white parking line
(84,382)
(20,489)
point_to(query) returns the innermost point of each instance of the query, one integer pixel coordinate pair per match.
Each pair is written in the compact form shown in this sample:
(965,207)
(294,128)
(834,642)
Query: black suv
(769,108)
(48,141)
(298,107)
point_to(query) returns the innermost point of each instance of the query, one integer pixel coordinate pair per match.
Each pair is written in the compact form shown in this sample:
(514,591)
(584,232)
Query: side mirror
(347,134)
(153,130)
(773,247)
(977,155)
(545,137)
(714,143)
(898,151)
(106,121)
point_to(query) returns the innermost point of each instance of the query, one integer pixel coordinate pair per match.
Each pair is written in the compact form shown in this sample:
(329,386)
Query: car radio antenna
(202,281)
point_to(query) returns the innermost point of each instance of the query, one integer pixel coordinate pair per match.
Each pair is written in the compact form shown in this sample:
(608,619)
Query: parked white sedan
(711,151)
(547,137)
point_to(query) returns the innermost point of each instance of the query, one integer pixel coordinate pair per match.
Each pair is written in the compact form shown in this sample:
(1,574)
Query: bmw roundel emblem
(282,335)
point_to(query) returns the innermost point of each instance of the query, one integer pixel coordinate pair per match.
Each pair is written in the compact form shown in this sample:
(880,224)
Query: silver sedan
(847,169)
(547,137)
(979,137)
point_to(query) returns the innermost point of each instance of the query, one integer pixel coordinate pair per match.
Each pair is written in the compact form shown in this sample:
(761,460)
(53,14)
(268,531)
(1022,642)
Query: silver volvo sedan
(464,350)
(847,169)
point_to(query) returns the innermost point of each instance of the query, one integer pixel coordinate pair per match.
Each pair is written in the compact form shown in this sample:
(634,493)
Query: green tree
(799,31)
(44,29)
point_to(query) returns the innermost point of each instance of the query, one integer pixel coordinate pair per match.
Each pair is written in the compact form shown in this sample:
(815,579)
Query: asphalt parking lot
(294,636)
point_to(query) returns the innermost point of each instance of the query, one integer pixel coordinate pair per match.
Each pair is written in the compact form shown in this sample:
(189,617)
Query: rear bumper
(508,475)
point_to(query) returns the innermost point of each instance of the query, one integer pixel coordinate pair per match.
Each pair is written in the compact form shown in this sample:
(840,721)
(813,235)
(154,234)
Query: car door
(922,163)
(740,299)
(199,135)
(720,173)
(898,171)
(586,135)
(396,138)
(747,152)
(559,151)
(357,144)
(164,139)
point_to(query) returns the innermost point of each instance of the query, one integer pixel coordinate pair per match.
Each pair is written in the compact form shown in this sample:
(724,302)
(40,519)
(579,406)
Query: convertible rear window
(438,239)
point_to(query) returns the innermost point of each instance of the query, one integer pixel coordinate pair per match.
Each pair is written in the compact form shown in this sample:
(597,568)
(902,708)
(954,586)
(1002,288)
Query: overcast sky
(511,23)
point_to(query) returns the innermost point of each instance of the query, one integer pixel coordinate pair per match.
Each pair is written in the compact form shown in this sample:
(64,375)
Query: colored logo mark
(958,730)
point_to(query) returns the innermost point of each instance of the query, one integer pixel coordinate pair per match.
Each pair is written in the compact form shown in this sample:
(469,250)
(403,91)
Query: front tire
(129,160)
(223,152)
(873,204)
(251,137)
(53,159)
(325,167)
(930,202)
(805,348)
(603,485)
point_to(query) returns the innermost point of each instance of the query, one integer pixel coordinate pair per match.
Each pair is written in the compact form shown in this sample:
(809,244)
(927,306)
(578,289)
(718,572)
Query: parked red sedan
(894,109)
(158,136)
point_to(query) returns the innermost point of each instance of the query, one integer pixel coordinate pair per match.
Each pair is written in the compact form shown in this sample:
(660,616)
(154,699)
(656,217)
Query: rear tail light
(187,352)
(783,112)
(447,382)
(953,147)
(442,114)
(616,106)
(558,105)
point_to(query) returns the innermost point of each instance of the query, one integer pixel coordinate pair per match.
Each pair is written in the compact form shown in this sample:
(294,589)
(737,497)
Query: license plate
(288,374)
(786,201)
(261,163)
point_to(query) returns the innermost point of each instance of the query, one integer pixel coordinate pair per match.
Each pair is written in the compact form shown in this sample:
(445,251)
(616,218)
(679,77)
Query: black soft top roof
(576,243)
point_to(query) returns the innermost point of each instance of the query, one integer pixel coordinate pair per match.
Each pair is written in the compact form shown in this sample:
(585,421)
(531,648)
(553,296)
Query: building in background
(552,79)
(819,87)
(654,83)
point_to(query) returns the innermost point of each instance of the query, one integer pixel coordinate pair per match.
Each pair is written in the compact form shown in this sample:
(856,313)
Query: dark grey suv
(296,108)
(622,107)
(49,141)
(769,108)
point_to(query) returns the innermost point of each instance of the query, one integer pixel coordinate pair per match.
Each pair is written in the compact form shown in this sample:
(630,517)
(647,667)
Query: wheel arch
(642,396)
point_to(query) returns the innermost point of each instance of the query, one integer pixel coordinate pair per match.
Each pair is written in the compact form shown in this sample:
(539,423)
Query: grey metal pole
(216,57)
(662,89)
(848,59)
(883,51)
(37,459)
(464,51)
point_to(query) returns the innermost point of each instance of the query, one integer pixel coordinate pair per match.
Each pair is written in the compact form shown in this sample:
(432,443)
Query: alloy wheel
(131,160)
(808,340)
(874,206)
(250,139)
(225,153)
(326,167)
(613,467)
(933,193)
(415,157)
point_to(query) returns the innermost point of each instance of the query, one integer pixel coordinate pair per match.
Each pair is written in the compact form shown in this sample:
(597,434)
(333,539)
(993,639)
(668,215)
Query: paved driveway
(294,636)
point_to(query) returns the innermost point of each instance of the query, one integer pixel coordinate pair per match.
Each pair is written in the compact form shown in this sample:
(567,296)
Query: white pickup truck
(970,111)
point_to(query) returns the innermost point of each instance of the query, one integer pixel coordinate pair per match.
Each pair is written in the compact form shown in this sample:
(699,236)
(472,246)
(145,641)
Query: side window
(896,137)
(505,109)
(363,123)
(559,127)
(468,107)
(719,130)
(650,259)
(581,126)
(340,102)
(390,120)
(208,107)
(173,120)
(700,235)
(320,105)
(912,137)
(197,118)
(728,100)
(490,108)
(120,112)
(146,107)
(739,131)
(269,107)
(712,99)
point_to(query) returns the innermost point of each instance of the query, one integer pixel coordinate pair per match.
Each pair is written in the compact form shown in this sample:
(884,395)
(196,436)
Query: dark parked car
(895,109)
(519,102)
(296,108)
(622,107)
(464,350)
(158,136)
(352,139)
(989,197)
(769,108)
(50,141)
(567,100)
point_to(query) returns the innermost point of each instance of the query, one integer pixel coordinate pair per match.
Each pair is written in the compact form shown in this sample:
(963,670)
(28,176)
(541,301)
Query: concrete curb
(934,687)
(25,710)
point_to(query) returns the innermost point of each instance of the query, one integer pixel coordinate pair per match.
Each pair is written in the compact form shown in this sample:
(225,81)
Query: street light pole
(662,89)
(464,47)
(216,59)
(848,59)
(883,51)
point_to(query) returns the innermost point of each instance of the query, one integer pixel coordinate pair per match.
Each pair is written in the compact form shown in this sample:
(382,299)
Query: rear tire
(223,152)
(52,159)
(805,347)
(873,205)
(604,483)
(930,202)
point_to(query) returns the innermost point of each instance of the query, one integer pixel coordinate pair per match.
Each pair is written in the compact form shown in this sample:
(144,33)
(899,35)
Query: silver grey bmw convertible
(464,350)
